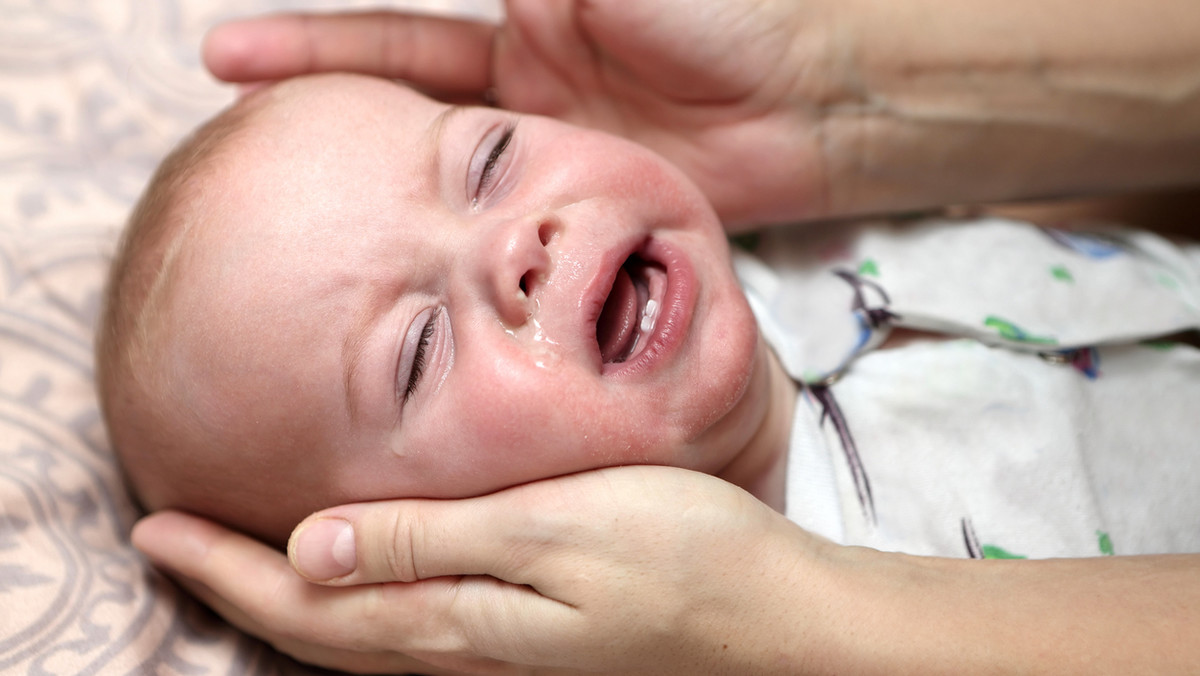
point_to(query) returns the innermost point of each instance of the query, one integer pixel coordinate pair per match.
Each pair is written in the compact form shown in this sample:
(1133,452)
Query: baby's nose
(520,263)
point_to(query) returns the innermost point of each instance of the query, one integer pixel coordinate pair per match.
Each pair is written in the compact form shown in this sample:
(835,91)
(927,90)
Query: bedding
(92,94)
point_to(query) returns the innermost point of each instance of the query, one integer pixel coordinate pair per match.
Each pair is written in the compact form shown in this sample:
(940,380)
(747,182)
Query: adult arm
(665,571)
(786,110)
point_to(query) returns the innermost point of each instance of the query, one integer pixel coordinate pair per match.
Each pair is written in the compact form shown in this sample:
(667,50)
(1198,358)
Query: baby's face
(391,297)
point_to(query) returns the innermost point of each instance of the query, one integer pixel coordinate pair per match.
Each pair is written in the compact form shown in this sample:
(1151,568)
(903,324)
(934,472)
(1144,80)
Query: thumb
(408,540)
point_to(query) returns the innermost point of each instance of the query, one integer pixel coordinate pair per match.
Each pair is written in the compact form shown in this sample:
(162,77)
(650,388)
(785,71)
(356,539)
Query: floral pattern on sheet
(92,95)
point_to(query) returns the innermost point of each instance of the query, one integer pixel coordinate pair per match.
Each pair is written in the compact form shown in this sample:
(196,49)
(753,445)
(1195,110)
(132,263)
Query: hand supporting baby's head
(341,290)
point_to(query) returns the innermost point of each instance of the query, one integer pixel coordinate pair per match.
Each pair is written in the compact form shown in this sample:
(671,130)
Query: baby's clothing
(1056,419)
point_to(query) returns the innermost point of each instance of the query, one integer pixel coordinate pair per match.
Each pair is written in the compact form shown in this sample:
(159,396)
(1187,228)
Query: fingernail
(324,550)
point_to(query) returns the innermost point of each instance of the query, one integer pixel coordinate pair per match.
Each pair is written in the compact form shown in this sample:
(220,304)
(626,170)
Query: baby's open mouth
(631,309)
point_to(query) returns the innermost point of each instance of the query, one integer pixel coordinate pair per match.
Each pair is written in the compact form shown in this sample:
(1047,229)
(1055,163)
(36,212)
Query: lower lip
(674,318)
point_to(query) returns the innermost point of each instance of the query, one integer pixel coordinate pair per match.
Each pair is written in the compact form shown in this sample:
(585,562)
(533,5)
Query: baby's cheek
(516,405)
(539,422)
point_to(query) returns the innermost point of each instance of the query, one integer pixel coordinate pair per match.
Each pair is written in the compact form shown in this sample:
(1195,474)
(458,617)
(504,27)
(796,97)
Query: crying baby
(340,290)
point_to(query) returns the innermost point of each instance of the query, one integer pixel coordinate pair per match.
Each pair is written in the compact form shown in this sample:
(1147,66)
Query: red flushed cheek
(499,414)
(528,423)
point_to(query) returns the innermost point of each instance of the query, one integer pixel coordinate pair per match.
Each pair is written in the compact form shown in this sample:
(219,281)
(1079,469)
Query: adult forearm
(949,102)
(1115,615)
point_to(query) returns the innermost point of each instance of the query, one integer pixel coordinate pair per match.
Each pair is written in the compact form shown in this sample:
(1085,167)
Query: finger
(411,540)
(451,564)
(525,535)
(450,55)
(253,588)
(358,661)
(183,546)
(196,552)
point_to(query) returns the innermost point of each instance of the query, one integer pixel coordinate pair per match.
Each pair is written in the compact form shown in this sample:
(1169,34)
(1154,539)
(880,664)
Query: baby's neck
(762,468)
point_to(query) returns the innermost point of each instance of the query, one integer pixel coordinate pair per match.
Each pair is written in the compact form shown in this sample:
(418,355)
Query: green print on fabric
(1011,331)
(1061,273)
(1166,281)
(994,552)
(1160,345)
(868,267)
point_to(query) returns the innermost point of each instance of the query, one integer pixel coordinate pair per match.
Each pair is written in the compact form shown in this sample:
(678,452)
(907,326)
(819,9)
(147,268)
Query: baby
(341,290)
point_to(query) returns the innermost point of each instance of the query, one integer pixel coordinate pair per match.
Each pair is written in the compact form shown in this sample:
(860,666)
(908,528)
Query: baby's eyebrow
(355,343)
(353,348)
(434,133)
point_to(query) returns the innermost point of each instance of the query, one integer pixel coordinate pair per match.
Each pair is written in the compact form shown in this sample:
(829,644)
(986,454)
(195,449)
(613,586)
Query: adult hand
(715,87)
(621,570)
(659,570)
(787,110)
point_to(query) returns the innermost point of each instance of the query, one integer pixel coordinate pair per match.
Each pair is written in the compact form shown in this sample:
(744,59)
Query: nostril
(524,283)
(546,233)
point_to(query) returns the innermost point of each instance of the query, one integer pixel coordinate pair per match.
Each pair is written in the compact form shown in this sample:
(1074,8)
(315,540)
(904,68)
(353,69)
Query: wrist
(888,613)
(821,609)
(770,610)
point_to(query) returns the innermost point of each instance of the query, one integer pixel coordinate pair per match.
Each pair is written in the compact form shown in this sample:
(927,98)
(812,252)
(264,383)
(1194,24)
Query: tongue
(615,328)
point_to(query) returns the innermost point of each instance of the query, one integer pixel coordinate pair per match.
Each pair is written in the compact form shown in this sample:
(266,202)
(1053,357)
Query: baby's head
(340,290)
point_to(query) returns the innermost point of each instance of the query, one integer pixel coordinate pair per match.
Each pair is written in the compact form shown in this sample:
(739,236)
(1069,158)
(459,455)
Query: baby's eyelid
(488,160)
(410,363)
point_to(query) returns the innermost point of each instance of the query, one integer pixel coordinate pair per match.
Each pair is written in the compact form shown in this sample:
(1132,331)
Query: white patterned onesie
(1054,412)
